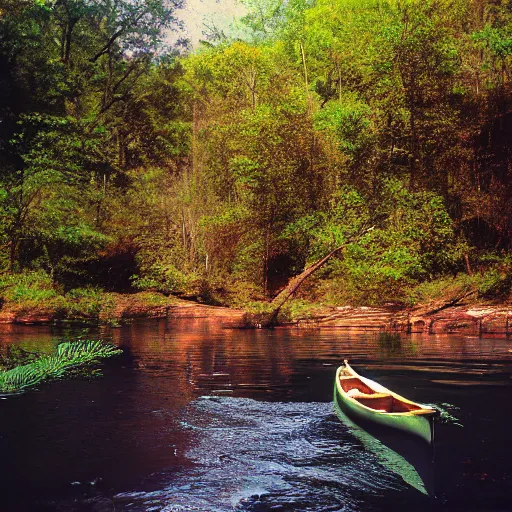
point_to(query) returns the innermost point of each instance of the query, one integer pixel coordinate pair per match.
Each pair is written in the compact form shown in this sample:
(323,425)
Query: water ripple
(252,455)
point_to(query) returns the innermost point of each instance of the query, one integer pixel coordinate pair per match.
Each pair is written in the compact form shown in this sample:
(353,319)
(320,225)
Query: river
(196,417)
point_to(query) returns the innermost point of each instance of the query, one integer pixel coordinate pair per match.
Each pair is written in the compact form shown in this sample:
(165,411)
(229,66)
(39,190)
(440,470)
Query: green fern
(68,357)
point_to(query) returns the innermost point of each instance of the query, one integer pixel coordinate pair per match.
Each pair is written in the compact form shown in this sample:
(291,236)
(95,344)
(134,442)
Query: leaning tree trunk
(292,287)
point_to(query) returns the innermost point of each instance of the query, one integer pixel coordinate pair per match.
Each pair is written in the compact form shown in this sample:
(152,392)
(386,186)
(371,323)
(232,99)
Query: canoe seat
(355,393)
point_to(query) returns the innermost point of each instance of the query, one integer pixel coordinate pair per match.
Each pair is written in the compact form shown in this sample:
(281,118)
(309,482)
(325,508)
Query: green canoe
(367,400)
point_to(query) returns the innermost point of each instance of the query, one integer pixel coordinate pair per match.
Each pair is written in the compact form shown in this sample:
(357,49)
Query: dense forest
(221,172)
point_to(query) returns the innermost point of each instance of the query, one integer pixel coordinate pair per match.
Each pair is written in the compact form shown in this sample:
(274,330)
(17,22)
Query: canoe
(367,400)
(407,456)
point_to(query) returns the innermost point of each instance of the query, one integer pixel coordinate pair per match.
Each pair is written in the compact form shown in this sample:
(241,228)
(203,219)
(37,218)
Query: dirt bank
(114,308)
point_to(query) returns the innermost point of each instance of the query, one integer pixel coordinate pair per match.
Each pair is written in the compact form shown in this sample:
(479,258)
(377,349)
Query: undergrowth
(32,293)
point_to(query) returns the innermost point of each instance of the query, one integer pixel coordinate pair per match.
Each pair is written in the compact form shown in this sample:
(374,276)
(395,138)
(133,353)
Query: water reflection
(267,363)
(411,459)
(196,415)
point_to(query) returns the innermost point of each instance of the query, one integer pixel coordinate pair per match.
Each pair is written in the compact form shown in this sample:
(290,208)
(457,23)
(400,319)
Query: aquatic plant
(445,415)
(390,340)
(68,357)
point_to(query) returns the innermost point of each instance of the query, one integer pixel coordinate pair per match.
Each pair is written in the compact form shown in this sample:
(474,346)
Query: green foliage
(161,277)
(67,358)
(496,283)
(35,291)
(348,123)
(153,299)
(84,303)
(235,167)
(298,309)
(322,232)
(81,96)
(237,293)
(492,284)
(27,288)
(260,309)
(497,40)
(412,240)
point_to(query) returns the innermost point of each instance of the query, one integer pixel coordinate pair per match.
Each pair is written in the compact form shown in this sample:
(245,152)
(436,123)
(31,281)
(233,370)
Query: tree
(79,64)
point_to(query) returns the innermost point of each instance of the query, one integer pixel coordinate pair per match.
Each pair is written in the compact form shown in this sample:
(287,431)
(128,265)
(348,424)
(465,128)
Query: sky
(196,13)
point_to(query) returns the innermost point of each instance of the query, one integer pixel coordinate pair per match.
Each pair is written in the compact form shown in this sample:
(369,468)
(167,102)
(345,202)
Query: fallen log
(446,304)
(294,284)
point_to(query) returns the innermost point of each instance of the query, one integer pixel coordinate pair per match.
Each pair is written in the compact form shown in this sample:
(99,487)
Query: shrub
(29,286)
(84,302)
(162,277)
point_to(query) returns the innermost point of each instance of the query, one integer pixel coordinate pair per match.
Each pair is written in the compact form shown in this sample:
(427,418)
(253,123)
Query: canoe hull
(420,425)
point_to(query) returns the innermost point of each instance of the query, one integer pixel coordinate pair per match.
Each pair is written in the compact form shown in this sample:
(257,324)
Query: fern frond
(68,357)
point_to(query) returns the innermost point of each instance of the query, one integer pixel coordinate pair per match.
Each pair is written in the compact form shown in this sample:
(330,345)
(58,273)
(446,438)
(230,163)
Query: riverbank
(445,306)
(110,308)
(476,319)
(468,317)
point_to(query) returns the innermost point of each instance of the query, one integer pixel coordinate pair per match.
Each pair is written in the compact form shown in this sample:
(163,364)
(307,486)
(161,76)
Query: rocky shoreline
(460,318)
(118,308)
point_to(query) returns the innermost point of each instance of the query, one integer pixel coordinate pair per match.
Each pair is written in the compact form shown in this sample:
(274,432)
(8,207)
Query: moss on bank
(32,297)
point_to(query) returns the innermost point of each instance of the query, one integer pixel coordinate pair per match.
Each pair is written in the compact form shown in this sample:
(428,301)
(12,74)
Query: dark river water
(195,417)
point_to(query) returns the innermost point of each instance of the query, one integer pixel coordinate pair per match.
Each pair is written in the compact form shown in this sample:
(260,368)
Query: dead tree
(294,284)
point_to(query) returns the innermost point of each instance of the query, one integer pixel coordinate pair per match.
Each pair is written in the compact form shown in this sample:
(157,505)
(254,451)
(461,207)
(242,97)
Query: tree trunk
(413,152)
(67,42)
(265,260)
(468,266)
(296,282)
(303,54)
(13,250)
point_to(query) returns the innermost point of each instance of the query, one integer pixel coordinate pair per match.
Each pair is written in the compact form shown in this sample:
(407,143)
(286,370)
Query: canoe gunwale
(378,388)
